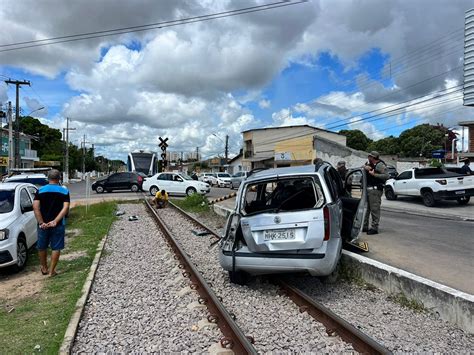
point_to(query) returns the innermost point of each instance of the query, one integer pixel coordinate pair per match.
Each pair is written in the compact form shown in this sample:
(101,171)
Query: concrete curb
(222,211)
(429,213)
(452,305)
(71,330)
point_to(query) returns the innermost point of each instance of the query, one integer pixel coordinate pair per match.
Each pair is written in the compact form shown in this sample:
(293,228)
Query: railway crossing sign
(163,145)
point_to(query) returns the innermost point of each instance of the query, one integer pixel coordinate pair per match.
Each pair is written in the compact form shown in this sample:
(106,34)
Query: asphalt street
(438,249)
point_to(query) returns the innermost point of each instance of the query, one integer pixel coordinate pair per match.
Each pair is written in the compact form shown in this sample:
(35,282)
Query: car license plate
(279,234)
(460,192)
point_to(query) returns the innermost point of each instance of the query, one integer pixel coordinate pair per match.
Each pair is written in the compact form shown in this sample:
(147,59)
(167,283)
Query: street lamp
(38,109)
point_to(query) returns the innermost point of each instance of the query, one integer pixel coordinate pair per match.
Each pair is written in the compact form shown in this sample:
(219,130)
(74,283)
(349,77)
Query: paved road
(440,250)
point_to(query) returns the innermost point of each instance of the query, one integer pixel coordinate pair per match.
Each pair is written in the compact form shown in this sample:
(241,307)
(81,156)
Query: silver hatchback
(292,220)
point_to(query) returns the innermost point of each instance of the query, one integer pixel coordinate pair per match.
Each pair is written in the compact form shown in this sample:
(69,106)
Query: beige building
(283,146)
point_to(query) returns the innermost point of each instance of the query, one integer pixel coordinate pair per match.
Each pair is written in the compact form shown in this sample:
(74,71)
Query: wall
(333,152)
(300,149)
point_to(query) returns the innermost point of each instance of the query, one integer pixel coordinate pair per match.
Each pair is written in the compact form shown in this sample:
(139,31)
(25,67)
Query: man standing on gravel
(51,205)
(376,177)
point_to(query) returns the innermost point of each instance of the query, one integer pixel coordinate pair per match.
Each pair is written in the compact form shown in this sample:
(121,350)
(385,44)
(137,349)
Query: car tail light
(441,182)
(327,223)
(140,179)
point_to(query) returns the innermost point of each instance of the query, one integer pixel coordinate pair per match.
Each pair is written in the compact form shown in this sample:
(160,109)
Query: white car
(18,228)
(174,184)
(35,179)
(209,178)
(223,179)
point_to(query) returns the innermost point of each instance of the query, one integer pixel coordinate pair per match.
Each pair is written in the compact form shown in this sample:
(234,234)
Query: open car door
(354,204)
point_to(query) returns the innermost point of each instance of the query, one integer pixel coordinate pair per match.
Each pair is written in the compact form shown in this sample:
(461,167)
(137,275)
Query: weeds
(412,304)
(193,203)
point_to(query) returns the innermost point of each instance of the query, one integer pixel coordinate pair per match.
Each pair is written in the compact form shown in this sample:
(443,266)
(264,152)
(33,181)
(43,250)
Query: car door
(354,204)
(176,184)
(112,182)
(28,217)
(400,184)
(335,207)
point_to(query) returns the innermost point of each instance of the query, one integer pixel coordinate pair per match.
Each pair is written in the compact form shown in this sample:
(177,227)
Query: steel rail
(234,337)
(333,323)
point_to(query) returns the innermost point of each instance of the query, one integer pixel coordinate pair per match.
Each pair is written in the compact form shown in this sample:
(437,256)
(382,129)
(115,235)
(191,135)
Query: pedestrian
(376,176)
(51,206)
(466,170)
(161,199)
(342,170)
(194,176)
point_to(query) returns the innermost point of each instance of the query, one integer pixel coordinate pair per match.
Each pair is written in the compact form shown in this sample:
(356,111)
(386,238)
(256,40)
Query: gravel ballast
(374,312)
(134,303)
(273,320)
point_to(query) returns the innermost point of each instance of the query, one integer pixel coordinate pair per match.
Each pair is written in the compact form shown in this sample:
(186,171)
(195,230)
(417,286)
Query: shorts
(53,237)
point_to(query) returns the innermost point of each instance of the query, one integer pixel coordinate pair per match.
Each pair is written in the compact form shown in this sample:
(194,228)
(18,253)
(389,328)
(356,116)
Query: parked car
(118,181)
(292,220)
(35,179)
(237,179)
(175,184)
(208,178)
(392,171)
(18,230)
(432,185)
(223,179)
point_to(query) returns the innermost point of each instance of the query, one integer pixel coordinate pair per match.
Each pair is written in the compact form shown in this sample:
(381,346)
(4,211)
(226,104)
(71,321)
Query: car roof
(26,176)
(14,185)
(288,171)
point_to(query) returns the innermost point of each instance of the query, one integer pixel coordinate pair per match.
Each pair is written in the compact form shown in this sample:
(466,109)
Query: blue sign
(438,153)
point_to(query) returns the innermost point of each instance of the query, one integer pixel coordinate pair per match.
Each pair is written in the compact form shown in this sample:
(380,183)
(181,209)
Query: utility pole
(84,156)
(66,160)
(226,147)
(18,84)
(10,136)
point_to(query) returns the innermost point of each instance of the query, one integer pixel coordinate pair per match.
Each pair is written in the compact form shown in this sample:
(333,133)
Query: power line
(148,27)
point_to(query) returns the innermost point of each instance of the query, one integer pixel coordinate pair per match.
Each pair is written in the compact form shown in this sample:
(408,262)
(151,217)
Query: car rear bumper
(319,263)
(453,195)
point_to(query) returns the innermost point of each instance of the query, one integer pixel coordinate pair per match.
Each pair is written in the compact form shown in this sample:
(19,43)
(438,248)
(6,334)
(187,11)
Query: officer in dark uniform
(376,176)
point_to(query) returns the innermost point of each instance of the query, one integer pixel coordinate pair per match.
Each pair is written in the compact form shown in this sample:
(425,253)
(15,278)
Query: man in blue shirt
(51,205)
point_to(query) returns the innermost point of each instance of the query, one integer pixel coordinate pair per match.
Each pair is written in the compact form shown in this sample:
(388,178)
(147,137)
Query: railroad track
(234,337)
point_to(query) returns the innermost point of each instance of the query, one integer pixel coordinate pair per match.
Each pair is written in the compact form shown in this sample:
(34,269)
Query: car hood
(7,218)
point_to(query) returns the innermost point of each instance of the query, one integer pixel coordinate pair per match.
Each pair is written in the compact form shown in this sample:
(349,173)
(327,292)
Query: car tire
(428,198)
(99,189)
(390,194)
(21,254)
(190,191)
(154,190)
(134,188)
(463,200)
(239,277)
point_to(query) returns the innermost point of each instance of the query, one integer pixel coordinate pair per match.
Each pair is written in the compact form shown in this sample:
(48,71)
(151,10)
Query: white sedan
(18,228)
(174,184)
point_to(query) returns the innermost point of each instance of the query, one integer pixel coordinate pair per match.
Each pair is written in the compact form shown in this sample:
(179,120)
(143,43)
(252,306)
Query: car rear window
(282,194)
(7,198)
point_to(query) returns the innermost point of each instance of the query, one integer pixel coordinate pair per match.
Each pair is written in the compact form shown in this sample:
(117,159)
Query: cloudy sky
(325,63)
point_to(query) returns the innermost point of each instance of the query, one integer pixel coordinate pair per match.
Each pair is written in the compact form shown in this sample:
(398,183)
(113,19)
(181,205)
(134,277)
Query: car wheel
(190,191)
(99,189)
(428,198)
(153,190)
(464,200)
(390,194)
(21,254)
(134,188)
(238,277)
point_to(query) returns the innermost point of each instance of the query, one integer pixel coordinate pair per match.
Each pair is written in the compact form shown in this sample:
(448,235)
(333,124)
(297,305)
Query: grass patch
(42,319)
(412,304)
(194,203)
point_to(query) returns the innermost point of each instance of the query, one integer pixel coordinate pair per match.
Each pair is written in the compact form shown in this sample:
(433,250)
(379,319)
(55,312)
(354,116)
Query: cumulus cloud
(264,104)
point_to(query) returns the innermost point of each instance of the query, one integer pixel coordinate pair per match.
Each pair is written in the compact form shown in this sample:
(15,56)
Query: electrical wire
(157,25)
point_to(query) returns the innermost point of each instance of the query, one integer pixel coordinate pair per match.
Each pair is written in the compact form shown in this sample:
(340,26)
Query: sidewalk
(444,209)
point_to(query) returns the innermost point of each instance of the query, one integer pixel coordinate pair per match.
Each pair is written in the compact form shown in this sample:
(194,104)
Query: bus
(141,161)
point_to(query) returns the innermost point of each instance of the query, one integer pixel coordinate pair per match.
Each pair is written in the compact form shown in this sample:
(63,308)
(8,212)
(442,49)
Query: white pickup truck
(432,184)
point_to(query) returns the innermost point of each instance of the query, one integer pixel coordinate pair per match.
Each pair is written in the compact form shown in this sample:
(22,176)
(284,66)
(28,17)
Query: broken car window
(283,194)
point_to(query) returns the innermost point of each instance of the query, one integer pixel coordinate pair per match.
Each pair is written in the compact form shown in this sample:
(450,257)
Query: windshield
(223,175)
(7,198)
(142,162)
(186,177)
(288,194)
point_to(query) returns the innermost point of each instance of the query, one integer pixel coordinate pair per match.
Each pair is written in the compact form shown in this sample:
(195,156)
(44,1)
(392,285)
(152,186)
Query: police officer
(376,176)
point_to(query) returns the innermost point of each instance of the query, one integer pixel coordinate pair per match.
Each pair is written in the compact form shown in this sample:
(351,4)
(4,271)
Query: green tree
(46,141)
(356,139)
(388,145)
(421,140)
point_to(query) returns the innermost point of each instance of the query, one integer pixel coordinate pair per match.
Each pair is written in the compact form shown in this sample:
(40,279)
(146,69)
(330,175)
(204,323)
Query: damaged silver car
(292,220)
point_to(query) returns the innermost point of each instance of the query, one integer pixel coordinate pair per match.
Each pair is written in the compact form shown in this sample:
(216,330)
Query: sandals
(54,273)
(44,272)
